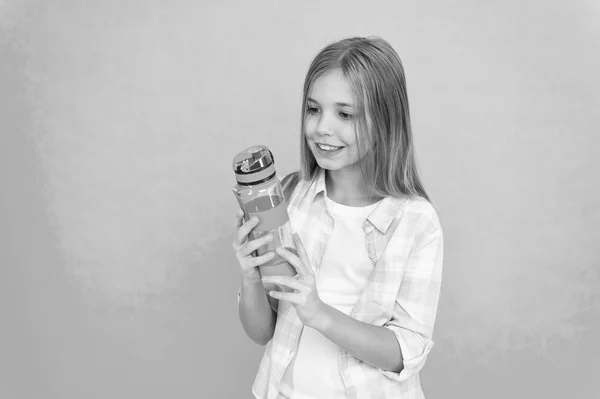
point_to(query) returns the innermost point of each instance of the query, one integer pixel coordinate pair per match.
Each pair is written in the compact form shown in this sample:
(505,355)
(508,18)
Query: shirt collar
(381,217)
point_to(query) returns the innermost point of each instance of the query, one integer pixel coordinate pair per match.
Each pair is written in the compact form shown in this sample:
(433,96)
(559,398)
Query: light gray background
(118,122)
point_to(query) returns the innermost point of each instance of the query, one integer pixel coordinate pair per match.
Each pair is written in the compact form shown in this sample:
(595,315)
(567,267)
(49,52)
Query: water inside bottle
(273,218)
(263,203)
(270,210)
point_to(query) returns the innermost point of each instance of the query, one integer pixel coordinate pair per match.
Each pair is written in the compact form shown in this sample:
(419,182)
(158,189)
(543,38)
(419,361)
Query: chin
(328,165)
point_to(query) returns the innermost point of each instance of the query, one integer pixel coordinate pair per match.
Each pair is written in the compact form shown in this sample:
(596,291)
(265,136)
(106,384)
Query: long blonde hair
(375,72)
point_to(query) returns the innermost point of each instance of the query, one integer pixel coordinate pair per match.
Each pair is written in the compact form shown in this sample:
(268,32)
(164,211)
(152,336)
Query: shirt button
(372,255)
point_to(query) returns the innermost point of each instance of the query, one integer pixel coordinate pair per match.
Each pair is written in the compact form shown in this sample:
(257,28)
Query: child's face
(330,120)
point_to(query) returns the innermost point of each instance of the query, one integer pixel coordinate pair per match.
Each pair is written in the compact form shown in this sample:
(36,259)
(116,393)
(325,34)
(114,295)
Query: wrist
(323,318)
(250,281)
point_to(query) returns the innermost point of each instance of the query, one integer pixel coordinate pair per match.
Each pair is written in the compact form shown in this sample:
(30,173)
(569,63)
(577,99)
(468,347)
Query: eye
(345,115)
(311,110)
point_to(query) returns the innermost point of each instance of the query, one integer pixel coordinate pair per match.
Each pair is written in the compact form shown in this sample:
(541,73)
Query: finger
(244,230)
(237,222)
(258,260)
(286,281)
(292,297)
(293,260)
(253,245)
(302,267)
(302,254)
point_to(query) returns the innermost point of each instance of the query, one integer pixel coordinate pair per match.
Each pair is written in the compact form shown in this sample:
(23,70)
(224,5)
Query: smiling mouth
(325,147)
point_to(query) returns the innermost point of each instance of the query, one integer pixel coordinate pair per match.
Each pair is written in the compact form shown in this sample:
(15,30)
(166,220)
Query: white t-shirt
(314,372)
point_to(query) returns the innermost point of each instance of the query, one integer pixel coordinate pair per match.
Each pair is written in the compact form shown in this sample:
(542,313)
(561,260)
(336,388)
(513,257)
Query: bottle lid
(254,165)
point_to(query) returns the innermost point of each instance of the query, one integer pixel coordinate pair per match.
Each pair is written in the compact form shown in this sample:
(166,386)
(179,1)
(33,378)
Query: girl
(357,319)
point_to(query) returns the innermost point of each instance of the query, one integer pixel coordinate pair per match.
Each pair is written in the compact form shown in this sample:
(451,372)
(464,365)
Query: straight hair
(375,73)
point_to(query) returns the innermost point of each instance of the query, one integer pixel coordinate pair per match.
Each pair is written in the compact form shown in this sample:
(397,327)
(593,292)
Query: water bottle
(259,193)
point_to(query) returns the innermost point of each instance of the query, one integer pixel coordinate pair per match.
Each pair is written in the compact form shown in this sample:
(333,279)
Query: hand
(304,296)
(243,247)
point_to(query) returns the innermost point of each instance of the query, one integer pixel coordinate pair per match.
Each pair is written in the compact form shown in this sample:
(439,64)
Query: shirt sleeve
(417,301)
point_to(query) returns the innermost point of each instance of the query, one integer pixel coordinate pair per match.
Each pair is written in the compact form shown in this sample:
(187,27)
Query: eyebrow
(338,104)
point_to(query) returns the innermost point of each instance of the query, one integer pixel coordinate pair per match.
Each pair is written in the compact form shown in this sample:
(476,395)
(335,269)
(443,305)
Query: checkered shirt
(403,239)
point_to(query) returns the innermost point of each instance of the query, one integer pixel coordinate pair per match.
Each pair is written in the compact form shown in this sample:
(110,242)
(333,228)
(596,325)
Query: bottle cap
(254,165)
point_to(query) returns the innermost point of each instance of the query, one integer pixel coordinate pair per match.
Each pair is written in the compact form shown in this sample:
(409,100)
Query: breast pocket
(384,298)
(385,286)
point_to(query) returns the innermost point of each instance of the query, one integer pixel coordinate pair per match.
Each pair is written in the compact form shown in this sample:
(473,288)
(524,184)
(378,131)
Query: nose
(325,125)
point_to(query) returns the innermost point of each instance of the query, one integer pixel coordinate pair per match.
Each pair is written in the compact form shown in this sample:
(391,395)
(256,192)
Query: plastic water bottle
(259,193)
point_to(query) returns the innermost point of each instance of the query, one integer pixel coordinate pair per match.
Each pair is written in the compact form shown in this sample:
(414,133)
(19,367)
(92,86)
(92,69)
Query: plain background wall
(118,123)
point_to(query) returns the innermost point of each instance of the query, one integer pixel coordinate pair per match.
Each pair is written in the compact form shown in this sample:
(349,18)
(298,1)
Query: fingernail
(254,219)
(269,237)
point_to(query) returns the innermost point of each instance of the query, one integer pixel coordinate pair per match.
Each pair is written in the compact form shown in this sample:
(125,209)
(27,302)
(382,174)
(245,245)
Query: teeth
(327,147)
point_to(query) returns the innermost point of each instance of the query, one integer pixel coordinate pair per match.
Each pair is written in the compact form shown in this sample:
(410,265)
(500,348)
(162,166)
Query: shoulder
(423,214)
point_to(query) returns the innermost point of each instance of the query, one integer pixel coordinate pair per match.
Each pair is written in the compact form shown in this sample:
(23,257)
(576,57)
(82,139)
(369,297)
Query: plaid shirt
(403,239)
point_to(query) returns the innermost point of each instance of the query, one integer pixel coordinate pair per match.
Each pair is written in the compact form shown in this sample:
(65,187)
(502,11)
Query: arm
(398,348)
(375,345)
(416,305)
(256,314)
(401,346)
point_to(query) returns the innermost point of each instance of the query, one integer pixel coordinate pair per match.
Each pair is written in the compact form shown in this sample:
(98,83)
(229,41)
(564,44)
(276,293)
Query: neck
(347,188)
